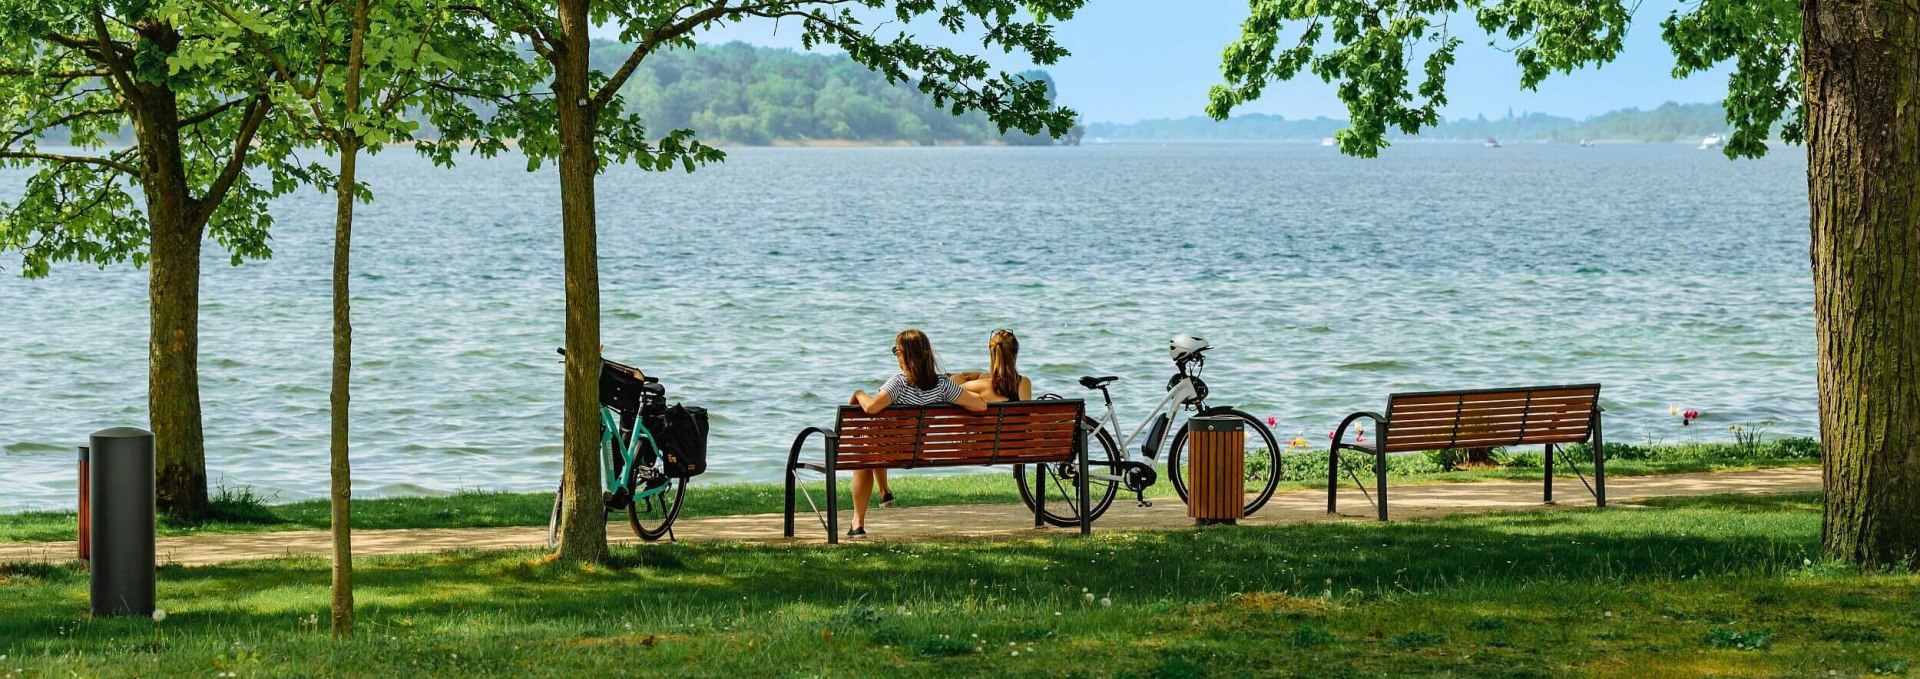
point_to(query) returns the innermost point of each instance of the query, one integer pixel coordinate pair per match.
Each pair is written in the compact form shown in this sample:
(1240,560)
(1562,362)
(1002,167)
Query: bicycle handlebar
(644,378)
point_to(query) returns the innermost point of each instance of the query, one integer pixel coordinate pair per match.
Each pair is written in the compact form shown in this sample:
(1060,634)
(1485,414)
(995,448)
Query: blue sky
(1136,59)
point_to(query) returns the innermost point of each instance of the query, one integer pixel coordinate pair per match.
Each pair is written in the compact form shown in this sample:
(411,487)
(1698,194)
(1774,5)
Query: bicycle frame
(1182,391)
(617,480)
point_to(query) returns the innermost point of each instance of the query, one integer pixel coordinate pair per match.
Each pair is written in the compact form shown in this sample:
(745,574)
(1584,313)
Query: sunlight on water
(768,288)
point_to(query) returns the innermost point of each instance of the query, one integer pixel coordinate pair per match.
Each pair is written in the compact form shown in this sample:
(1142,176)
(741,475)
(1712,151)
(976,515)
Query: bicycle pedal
(1143,503)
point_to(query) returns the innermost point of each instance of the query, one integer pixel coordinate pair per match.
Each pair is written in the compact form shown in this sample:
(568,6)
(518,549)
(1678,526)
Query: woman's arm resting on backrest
(872,404)
(971,401)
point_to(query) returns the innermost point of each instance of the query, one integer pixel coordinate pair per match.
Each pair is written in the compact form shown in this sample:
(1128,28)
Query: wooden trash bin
(1216,463)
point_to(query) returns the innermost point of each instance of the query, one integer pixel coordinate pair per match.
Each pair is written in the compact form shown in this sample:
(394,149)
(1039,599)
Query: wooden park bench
(919,437)
(1485,418)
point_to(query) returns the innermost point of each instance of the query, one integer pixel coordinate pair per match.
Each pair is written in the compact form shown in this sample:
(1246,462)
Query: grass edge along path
(1006,520)
(1723,586)
(241,511)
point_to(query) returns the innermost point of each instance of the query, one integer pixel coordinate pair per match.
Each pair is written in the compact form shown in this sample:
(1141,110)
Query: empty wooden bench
(917,437)
(1485,418)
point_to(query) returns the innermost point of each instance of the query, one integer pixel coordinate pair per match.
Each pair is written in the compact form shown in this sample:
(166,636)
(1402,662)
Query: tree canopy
(1389,60)
(94,72)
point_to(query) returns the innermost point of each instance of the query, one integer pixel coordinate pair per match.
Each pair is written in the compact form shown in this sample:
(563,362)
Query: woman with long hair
(919,383)
(1002,381)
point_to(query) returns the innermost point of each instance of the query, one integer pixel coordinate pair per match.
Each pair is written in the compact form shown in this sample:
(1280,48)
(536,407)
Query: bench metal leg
(1039,493)
(1549,466)
(1599,462)
(1082,482)
(833,495)
(1333,478)
(1380,470)
(790,488)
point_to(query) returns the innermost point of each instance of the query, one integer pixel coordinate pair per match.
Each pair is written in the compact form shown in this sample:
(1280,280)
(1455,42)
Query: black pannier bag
(682,435)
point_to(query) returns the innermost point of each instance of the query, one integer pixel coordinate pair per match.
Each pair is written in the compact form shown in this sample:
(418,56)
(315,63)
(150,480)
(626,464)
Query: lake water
(768,288)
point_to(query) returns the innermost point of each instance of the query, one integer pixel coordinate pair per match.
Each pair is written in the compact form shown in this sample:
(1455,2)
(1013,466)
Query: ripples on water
(769,287)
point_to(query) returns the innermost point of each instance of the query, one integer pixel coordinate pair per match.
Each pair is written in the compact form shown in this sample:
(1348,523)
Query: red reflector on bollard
(86,528)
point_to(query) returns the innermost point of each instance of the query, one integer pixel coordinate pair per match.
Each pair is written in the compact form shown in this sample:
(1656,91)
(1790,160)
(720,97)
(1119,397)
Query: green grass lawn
(239,511)
(1723,586)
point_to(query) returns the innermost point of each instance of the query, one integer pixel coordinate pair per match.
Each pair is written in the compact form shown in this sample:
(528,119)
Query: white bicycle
(1112,466)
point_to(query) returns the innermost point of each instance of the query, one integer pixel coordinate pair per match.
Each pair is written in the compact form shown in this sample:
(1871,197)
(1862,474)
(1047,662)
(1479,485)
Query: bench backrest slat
(904,437)
(1488,418)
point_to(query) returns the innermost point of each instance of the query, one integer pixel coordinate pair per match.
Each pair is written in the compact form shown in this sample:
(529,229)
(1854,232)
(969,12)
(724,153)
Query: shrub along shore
(242,511)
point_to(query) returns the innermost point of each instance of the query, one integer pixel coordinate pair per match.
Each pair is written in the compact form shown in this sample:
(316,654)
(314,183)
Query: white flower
(159,615)
(1089,596)
(1015,654)
(1106,602)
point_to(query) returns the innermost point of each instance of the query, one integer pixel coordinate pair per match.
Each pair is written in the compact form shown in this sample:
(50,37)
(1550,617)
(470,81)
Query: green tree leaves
(1372,51)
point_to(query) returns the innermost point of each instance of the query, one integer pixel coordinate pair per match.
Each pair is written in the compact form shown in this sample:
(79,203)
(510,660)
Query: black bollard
(121,492)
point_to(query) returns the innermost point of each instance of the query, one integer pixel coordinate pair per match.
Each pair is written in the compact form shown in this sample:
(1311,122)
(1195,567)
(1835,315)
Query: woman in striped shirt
(919,383)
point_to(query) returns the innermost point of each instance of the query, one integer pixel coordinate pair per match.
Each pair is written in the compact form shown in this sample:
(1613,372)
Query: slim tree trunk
(340,469)
(173,293)
(583,525)
(1862,69)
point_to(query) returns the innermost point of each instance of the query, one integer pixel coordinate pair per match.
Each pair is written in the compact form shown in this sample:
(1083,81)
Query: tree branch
(41,128)
(542,45)
(279,65)
(102,161)
(654,38)
(209,114)
(109,54)
(237,162)
(26,72)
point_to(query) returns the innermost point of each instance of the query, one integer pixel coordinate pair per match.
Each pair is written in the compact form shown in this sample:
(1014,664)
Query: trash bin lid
(122,433)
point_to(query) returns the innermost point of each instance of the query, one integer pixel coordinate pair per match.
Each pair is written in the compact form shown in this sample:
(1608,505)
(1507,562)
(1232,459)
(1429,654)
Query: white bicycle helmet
(1185,348)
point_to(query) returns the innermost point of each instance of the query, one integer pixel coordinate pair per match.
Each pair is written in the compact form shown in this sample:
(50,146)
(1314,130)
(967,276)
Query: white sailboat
(1492,143)
(1327,141)
(1713,141)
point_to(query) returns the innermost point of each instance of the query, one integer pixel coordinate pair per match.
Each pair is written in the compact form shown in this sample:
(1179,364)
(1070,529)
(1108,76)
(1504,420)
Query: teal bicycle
(644,476)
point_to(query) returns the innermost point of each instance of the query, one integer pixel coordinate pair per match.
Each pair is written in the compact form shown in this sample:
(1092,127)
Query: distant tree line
(1666,123)
(744,94)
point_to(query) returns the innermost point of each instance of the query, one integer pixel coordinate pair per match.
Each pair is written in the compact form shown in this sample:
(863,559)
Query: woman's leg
(880,475)
(862,492)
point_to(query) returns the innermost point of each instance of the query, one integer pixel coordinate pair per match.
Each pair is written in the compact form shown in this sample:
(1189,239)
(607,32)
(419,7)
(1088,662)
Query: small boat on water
(1327,141)
(1493,143)
(1713,141)
(1586,142)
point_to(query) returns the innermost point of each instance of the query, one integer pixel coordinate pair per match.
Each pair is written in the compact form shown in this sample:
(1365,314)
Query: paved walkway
(907,523)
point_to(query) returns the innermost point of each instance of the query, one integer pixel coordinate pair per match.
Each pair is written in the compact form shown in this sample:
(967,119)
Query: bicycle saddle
(1091,382)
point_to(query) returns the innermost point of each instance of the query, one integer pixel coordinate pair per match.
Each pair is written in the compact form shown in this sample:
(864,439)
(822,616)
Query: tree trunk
(173,293)
(340,469)
(1861,61)
(583,524)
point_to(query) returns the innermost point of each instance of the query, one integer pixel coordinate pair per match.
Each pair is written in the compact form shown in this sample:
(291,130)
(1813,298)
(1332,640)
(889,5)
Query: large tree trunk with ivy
(173,292)
(1862,69)
(583,527)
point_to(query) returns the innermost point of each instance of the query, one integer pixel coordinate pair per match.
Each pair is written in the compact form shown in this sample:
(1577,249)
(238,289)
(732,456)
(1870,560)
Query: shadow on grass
(1357,560)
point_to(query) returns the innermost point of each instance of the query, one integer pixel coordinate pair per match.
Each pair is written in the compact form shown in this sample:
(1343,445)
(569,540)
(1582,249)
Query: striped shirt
(905,394)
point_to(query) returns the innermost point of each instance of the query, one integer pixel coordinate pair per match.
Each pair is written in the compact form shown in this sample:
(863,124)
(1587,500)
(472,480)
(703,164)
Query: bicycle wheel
(1262,461)
(1061,509)
(652,515)
(553,521)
